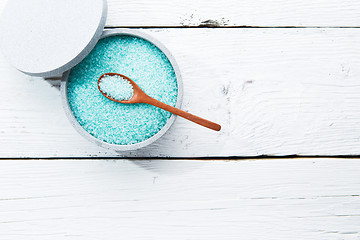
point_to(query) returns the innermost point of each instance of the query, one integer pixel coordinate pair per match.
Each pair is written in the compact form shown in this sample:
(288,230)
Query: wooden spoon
(140,97)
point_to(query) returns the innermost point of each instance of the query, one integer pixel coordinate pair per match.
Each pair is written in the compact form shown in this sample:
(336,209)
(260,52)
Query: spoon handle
(181,113)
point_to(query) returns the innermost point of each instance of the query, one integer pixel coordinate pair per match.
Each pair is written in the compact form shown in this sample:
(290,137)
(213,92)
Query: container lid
(47,37)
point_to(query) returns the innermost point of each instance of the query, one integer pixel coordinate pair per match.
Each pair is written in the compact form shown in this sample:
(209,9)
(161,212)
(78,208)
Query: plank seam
(231,158)
(213,26)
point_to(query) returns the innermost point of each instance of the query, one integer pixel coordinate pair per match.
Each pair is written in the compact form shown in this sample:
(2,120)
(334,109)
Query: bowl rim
(116,147)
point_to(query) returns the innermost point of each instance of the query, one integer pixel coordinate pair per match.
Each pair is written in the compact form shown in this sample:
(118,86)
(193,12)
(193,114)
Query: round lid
(47,37)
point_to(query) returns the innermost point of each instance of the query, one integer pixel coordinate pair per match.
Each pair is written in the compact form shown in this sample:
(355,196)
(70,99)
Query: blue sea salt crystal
(116,87)
(114,122)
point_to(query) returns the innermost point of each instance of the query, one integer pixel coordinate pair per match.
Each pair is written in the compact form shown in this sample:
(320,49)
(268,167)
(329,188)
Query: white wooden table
(282,77)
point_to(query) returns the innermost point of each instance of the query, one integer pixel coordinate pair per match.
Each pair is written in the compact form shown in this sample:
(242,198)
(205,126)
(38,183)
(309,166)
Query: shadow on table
(171,167)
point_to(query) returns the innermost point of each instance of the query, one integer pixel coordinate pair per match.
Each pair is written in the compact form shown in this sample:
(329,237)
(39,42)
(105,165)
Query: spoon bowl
(139,96)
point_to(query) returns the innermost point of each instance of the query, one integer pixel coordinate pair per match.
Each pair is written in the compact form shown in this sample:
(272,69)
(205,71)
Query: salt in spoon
(140,97)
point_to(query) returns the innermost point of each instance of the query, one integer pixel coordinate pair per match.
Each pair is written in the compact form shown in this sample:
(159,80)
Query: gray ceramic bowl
(116,147)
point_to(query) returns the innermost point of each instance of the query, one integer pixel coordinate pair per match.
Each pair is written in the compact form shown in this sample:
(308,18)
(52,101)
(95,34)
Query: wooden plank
(234,13)
(144,13)
(275,92)
(283,199)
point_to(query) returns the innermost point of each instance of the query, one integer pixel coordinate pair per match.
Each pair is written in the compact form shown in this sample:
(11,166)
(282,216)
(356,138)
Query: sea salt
(114,122)
(116,87)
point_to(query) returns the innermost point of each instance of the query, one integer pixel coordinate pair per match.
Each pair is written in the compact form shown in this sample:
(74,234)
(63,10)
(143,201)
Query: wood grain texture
(274,91)
(263,199)
(144,13)
(234,13)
